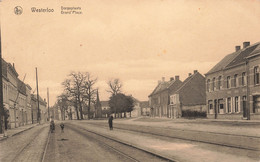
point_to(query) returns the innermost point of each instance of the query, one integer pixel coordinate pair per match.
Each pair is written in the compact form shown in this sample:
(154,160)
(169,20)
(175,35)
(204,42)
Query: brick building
(233,85)
(190,95)
(159,99)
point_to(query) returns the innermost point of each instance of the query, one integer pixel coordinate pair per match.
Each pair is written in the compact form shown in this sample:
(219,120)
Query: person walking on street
(62,127)
(52,126)
(110,122)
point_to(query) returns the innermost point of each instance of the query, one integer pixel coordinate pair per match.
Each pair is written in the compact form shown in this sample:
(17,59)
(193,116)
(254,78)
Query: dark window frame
(228,82)
(256,75)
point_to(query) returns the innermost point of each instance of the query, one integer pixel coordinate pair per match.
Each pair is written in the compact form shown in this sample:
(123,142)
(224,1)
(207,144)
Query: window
(210,104)
(236,104)
(219,82)
(208,85)
(256,75)
(229,104)
(235,80)
(213,84)
(228,82)
(221,105)
(243,78)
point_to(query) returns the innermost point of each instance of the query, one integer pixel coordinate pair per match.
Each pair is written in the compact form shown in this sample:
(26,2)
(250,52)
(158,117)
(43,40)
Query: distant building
(233,85)
(145,108)
(21,98)
(28,104)
(105,108)
(42,109)
(190,95)
(159,99)
(136,109)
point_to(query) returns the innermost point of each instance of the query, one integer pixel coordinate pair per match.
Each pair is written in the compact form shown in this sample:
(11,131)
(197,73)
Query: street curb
(5,137)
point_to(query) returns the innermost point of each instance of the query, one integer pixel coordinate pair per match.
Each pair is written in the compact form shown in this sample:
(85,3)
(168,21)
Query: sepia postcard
(130,80)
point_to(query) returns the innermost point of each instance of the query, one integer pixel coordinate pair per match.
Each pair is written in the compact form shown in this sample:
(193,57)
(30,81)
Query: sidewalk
(16,131)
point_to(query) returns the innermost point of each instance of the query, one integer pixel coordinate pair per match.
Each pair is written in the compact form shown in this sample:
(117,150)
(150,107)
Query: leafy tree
(120,103)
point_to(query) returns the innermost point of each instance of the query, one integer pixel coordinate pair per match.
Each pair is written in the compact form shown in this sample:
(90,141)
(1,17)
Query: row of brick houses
(20,105)
(230,90)
(169,98)
(233,85)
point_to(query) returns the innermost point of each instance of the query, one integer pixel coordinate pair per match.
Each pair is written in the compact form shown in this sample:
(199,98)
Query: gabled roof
(224,62)
(236,58)
(162,86)
(193,91)
(187,80)
(256,51)
(241,58)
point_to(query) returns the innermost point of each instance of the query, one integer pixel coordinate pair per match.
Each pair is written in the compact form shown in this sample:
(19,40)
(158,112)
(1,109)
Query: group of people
(52,126)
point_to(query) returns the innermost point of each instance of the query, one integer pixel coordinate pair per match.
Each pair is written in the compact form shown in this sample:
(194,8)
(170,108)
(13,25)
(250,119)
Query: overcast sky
(137,41)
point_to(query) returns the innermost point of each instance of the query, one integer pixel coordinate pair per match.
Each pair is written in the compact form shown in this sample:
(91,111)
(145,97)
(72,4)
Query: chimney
(237,48)
(13,64)
(246,44)
(195,71)
(190,74)
(177,77)
(172,78)
(163,79)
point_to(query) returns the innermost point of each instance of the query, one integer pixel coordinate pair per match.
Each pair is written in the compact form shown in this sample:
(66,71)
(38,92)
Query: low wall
(195,108)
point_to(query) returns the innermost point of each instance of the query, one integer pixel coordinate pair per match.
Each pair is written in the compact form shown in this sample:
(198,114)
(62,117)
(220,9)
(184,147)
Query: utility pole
(48,104)
(1,91)
(39,113)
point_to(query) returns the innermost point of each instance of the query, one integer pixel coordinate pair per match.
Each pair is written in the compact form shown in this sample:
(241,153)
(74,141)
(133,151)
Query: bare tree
(74,87)
(90,91)
(63,105)
(115,86)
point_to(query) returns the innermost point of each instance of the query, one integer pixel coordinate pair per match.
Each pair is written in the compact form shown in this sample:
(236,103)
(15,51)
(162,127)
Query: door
(216,108)
(244,109)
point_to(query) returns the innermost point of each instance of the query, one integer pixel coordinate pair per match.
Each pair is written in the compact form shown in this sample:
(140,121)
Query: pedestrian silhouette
(62,127)
(110,122)
(52,126)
